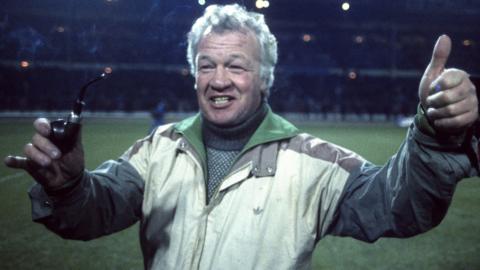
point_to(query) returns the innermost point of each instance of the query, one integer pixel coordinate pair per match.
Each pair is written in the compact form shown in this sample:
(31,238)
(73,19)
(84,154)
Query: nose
(220,80)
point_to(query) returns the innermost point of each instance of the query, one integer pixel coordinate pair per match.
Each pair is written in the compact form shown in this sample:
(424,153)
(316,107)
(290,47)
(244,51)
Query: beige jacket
(285,192)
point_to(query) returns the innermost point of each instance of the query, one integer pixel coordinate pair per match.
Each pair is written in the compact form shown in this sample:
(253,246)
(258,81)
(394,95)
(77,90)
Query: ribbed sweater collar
(235,137)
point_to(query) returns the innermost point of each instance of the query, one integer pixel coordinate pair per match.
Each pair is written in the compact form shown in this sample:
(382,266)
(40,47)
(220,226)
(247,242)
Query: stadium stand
(365,61)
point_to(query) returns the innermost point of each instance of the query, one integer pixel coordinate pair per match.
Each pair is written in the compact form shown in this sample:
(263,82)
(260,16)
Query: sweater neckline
(235,137)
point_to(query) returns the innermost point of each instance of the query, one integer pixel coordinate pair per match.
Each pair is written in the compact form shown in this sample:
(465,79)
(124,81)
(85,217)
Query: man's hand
(448,95)
(44,161)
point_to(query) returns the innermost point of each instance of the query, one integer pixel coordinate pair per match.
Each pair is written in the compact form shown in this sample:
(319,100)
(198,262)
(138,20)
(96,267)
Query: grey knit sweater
(223,144)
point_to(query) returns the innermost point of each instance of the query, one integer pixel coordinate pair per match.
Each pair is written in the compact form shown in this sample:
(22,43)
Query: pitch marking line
(12,176)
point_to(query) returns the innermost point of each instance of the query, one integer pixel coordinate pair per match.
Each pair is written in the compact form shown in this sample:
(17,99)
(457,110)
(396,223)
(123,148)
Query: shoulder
(160,137)
(166,131)
(316,148)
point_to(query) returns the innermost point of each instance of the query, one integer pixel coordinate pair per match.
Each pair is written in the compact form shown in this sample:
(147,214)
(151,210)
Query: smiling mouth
(220,100)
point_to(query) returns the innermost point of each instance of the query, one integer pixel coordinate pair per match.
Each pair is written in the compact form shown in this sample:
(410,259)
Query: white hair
(219,18)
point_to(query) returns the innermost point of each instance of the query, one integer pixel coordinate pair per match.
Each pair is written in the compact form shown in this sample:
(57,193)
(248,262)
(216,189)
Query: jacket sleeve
(410,194)
(104,201)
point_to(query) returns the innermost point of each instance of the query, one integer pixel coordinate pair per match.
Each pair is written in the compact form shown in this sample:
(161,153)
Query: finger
(439,58)
(440,54)
(448,97)
(16,162)
(36,171)
(44,145)
(466,90)
(42,126)
(34,155)
(452,110)
(458,122)
(450,78)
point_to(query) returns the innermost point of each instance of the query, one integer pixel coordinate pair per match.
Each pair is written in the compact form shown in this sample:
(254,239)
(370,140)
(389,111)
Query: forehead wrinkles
(235,43)
(230,57)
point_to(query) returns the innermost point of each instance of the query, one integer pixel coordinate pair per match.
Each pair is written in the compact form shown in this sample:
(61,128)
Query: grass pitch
(455,244)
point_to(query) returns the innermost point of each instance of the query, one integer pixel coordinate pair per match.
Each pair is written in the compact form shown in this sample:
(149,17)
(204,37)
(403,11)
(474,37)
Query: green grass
(455,244)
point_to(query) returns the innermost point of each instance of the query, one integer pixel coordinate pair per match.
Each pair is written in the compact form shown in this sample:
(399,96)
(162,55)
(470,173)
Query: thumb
(440,54)
(18,162)
(15,162)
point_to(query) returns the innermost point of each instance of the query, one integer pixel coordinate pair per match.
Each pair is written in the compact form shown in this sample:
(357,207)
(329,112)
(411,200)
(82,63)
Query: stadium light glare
(201,2)
(467,42)
(24,64)
(307,37)
(262,4)
(345,6)
(60,29)
(359,39)
(352,75)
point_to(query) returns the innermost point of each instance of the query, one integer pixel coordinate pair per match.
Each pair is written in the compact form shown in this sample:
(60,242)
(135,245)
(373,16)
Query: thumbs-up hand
(447,95)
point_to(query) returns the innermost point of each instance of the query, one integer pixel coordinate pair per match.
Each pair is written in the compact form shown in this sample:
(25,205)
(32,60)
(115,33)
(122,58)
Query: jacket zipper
(200,241)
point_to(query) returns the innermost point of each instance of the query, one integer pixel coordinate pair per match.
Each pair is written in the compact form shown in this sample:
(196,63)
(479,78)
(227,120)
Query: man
(157,114)
(238,187)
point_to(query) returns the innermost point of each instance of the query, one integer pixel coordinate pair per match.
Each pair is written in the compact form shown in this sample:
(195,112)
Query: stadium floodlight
(359,39)
(352,75)
(307,37)
(467,42)
(345,6)
(262,4)
(24,64)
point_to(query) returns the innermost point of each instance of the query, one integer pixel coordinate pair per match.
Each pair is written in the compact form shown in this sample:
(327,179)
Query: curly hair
(219,18)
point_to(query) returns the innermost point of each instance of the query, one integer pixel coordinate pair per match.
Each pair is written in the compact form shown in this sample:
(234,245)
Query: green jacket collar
(272,128)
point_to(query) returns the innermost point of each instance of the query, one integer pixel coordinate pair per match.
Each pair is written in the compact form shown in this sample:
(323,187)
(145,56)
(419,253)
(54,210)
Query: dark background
(385,45)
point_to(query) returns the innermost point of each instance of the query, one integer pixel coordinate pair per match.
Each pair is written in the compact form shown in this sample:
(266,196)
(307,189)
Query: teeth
(220,100)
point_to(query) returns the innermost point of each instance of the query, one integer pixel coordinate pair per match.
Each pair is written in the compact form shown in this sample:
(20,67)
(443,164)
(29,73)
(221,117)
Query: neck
(232,137)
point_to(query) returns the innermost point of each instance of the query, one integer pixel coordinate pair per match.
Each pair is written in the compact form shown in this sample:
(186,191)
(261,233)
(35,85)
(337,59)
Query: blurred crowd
(56,89)
(341,69)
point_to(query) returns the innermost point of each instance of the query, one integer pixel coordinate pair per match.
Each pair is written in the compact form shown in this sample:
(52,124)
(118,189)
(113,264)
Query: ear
(263,86)
(264,91)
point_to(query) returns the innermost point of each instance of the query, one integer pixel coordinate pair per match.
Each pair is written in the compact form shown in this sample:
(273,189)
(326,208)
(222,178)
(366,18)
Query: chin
(223,120)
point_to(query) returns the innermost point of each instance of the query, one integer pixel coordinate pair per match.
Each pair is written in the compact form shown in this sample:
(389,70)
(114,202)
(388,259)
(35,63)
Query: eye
(236,68)
(205,68)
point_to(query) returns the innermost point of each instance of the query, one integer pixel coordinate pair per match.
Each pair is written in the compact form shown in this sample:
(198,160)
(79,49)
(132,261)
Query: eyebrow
(230,57)
(204,57)
(238,56)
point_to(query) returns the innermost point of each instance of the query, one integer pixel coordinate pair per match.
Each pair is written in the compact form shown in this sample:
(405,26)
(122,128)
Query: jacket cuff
(44,203)
(423,123)
(65,188)
(425,126)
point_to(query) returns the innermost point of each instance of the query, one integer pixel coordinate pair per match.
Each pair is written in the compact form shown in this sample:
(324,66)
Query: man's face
(228,77)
